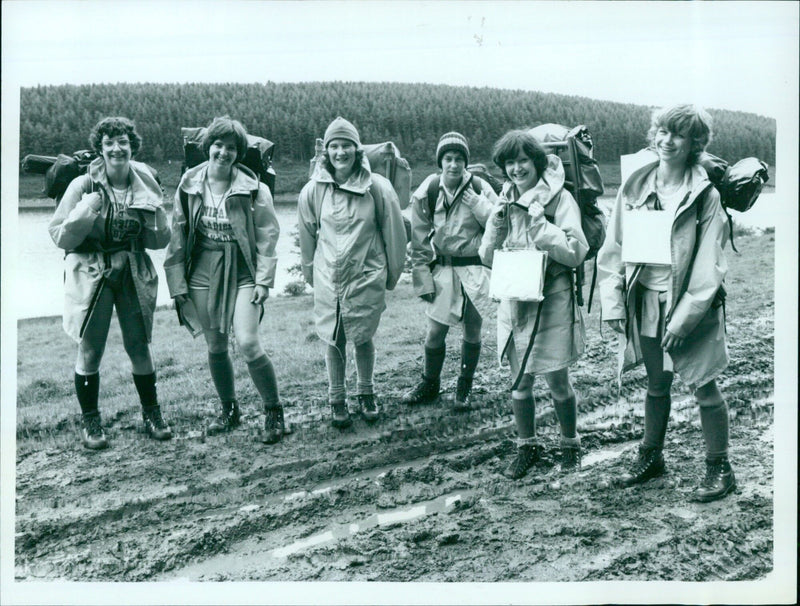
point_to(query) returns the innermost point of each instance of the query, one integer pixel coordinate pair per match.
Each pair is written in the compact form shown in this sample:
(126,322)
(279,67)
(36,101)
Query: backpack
(582,179)
(257,158)
(739,186)
(480,170)
(59,171)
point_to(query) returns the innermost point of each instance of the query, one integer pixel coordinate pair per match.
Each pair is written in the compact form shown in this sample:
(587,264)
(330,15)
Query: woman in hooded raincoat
(105,221)
(353,245)
(220,265)
(545,337)
(447,271)
(672,314)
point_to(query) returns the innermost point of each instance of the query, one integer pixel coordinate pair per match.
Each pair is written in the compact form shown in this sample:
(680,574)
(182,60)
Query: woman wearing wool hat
(449,212)
(544,337)
(353,246)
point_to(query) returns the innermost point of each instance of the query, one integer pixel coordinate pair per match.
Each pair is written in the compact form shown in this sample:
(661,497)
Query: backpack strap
(433,191)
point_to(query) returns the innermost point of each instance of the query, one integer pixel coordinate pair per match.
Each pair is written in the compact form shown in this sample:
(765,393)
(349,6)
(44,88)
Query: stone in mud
(448,538)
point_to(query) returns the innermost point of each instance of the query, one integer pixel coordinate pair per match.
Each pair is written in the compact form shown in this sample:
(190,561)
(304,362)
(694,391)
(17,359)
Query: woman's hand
(260,294)
(94,200)
(671,341)
(616,325)
(470,197)
(536,211)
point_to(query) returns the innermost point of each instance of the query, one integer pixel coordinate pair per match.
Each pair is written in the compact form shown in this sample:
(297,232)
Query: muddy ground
(419,496)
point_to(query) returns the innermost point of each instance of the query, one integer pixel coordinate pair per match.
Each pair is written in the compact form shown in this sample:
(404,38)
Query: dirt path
(420,496)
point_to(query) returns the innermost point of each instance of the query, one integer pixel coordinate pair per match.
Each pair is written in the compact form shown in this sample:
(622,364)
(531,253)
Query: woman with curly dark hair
(105,221)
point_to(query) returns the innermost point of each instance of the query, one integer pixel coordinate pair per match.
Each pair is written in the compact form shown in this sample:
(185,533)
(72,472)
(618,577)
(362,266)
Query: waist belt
(89,246)
(456,261)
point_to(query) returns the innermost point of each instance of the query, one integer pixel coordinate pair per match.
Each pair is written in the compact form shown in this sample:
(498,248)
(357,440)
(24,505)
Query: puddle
(606,454)
(250,553)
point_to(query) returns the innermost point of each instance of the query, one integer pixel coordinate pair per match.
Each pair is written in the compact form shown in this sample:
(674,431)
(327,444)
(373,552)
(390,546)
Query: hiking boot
(425,392)
(92,433)
(463,391)
(274,426)
(718,482)
(230,418)
(340,416)
(370,411)
(570,458)
(527,455)
(649,464)
(154,423)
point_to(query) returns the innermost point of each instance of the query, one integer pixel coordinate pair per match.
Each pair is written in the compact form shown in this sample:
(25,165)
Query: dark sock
(87,387)
(221,369)
(434,360)
(263,374)
(567,415)
(656,417)
(336,364)
(146,386)
(365,368)
(524,416)
(714,420)
(470,352)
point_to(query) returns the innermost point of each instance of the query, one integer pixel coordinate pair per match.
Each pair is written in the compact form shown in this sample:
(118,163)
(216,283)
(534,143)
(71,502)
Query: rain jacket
(559,234)
(79,223)
(353,248)
(454,231)
(694,299)
(253,220)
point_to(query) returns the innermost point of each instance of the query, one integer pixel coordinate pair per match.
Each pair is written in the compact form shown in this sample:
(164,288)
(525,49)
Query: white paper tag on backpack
(646,237)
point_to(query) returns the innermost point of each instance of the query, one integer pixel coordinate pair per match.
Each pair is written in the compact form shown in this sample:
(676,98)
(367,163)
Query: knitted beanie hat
(452,142)
(341,129)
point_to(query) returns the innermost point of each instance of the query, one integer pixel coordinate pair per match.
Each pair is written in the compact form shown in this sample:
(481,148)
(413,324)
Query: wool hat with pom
(452,142)
(341,129)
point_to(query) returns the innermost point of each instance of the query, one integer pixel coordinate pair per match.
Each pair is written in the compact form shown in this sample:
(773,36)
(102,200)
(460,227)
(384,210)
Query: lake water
(38,286)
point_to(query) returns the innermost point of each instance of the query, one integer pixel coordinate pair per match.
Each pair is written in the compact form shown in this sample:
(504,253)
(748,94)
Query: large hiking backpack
(739,185)
(59,171)
(582,179)
(258,157)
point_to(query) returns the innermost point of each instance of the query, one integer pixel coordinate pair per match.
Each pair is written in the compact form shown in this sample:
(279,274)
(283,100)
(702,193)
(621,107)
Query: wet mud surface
(420,496)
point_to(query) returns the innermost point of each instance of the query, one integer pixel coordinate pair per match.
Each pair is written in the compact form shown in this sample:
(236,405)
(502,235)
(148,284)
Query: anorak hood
(243,180)
(144,186)
(546,189)
(642,184)
(358,183)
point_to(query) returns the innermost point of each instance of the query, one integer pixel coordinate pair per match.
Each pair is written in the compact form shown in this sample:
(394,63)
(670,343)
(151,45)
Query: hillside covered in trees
(57,119)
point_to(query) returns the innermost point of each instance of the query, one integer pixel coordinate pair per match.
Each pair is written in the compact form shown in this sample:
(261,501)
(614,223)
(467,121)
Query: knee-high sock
(221,369)
(336,362)
(567,415)
(263,374)
(87,388)
(524,416)
(714,420)
(656,417)
(146,386)
(434,360)
(470,353)
(365,366)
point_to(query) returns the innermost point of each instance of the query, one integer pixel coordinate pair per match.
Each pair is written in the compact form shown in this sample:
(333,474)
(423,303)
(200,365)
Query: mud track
(417,497)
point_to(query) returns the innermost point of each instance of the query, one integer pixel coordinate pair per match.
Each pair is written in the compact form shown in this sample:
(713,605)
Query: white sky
(738,55)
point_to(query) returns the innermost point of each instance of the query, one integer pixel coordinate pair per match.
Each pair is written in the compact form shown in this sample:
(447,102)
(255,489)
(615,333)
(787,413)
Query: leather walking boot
(424,392)
(92,434)
(154,423)
(230,418)
(274,425)
(527,455)
(463,391)
(340,416)
(719,481)
(649,464)
(369,408)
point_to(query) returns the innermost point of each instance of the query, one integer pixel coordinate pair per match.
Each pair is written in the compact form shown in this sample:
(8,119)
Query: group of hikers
(220,266)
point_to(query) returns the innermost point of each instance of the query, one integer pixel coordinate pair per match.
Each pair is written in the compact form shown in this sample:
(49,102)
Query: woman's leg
(524,409)
(427,390)
(220,366)
(87,370)
(565,404)
(245,327)
(470,353)
(719,479)
(336,363)
(365,365)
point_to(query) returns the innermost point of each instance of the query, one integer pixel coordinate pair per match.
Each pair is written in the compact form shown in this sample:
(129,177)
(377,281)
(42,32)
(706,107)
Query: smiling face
(222,153)
(342,156)
(522,172)
(672,148)
(453,164)
(116,151)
